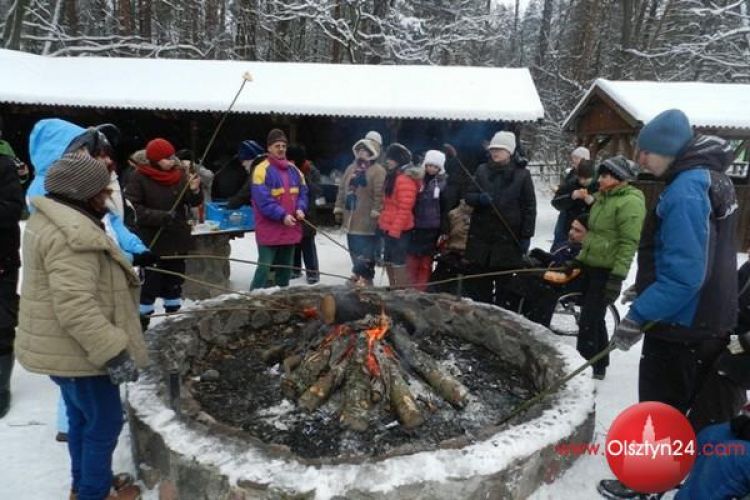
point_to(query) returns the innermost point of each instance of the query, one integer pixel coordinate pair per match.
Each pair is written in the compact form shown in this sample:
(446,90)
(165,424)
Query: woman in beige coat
(78,318)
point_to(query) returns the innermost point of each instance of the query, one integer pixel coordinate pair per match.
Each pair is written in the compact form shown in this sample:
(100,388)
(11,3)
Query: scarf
(165,177)
(279,163)
(358,179)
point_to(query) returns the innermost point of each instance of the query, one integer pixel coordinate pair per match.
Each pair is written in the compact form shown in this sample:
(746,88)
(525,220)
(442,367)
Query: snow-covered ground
(34,466)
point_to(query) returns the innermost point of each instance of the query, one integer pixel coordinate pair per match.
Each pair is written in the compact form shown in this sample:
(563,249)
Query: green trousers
(281,255)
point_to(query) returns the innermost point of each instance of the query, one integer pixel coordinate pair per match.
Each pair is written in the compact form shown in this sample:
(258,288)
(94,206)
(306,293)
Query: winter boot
(129,492)
(615,490)
(6,367)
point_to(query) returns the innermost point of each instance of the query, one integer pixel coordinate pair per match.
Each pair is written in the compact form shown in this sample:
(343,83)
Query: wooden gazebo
(610,115)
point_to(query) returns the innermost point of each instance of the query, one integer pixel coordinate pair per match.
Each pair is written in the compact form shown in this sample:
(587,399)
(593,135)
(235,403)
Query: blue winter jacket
(48,141)
(687,260)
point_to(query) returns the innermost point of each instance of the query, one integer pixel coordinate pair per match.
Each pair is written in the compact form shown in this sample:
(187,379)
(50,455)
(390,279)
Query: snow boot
(615,490)
(6,368)
(122,485)
(129,492)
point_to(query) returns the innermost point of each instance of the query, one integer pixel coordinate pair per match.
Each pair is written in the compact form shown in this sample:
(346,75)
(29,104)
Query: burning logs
(357,357)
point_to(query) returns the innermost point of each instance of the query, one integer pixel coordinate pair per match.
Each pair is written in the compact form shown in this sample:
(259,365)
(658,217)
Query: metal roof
(437,92)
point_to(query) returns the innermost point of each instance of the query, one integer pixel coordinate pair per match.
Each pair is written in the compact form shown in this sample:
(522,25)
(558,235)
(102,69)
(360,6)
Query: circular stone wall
(188,454)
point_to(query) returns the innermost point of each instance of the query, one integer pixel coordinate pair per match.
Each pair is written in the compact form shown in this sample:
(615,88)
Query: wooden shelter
(610,115)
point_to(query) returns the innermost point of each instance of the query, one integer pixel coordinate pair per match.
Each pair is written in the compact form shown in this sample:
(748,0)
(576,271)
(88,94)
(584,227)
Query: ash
(247,395)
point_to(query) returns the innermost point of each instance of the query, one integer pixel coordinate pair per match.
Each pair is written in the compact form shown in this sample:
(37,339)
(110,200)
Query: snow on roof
(707,105)
(440,92)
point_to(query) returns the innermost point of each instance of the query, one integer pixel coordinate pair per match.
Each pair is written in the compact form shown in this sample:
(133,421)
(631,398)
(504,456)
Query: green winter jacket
(615,224)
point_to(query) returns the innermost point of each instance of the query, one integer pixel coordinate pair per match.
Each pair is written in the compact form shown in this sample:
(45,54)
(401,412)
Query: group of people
(83,307)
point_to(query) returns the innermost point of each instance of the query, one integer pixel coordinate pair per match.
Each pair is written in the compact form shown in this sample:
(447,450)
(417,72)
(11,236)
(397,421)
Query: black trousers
(306,250)
(592,332)
(8,308)
(674,372)
(166,286)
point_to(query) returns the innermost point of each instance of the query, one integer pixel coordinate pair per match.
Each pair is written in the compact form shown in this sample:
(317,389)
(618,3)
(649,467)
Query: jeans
(363,250)
(280,255)
(95,420)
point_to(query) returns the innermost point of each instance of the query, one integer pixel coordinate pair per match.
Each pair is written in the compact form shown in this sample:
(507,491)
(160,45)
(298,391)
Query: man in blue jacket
(687,266)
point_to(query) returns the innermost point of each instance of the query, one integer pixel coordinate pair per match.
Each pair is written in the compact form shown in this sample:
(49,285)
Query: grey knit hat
(76,176)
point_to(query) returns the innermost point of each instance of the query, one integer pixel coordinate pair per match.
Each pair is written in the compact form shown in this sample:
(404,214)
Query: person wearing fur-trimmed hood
(358,205)
(402,183)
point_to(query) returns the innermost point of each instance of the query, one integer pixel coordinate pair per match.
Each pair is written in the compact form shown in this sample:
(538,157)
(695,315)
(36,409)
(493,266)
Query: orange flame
(374,335)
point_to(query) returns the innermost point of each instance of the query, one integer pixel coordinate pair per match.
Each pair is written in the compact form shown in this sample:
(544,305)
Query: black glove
(122,369)
(145,259)
(169,217)
(612,288)
(485,199)
(627,334)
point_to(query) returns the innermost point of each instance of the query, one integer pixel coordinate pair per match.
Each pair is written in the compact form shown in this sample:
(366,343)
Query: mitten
(627,334)
(122,369)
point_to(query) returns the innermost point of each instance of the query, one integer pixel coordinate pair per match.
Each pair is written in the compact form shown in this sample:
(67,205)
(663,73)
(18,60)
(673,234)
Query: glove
(612,288)
(627,334)
(145,259)
(170,217)
(628,295)
(122,369)
(572,266)
(485,199)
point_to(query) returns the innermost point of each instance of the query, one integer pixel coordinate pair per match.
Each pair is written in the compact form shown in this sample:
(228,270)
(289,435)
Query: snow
(35,467)
(440,92)
(711,105)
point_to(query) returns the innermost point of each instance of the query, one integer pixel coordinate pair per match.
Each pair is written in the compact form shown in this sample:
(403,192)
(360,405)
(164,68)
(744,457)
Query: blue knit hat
(666,134)
(248,150)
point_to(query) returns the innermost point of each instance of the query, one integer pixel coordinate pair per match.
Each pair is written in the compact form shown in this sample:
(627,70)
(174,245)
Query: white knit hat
(374,136)
(503,140)
(582,153)
(434,157)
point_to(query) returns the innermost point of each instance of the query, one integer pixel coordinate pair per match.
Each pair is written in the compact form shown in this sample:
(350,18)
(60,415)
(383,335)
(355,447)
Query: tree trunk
(544,30)
(14,25)
(125,13)
(71,17)
(144,19)
(55,22)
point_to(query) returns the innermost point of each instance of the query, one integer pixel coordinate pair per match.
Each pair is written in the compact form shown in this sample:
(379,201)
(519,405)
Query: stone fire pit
(325,392)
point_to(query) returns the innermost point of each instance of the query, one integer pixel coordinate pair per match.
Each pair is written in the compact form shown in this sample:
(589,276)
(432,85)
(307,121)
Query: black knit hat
(76,176)
(276,135)
(398,153)
(619,167)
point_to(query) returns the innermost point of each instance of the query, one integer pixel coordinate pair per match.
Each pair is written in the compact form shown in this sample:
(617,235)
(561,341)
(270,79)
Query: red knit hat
(159,149)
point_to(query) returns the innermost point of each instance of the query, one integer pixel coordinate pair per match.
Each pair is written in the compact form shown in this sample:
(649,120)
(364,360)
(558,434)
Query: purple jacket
(278,190)
(427,209)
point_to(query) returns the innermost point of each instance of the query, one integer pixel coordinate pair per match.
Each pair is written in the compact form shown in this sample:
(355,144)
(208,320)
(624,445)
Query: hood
(48,141)
(416,172)
(704,151)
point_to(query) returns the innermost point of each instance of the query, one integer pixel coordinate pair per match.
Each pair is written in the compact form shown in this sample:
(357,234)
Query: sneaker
(61,437)
(311,280)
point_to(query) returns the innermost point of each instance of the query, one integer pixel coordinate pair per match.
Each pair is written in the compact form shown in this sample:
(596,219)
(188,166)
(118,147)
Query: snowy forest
(565,43)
